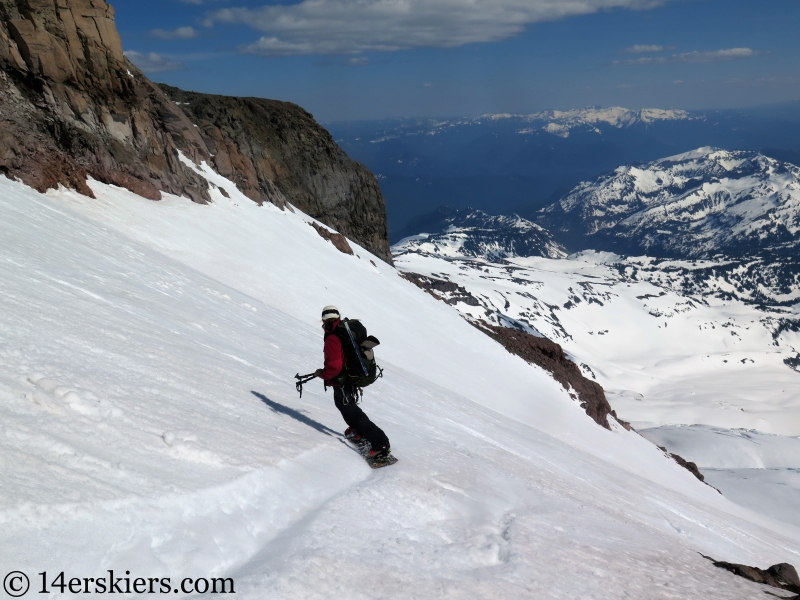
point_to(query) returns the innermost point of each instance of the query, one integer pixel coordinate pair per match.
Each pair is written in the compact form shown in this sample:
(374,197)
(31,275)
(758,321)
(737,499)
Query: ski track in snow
(150,423)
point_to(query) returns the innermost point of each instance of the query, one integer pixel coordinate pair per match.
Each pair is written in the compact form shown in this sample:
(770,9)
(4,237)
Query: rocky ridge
(275,151)
(534,349)
(550,356)
(72,106)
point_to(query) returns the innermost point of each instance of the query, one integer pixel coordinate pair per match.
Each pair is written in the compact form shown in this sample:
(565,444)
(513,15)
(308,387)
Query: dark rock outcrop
(535,350)
(275,151)
(447,291)
(689,466)
(782,576)
(72,106)
(550,356)
(337,239)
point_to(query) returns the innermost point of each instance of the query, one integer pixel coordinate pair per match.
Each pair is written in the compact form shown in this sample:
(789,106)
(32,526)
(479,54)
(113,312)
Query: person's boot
(351,435)
(378,453)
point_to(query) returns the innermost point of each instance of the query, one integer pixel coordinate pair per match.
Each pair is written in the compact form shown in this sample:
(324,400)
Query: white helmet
(330,312)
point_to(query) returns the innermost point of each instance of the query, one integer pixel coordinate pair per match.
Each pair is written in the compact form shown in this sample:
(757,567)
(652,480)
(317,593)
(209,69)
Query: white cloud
(354,61)
(181,33)
(691,57)
(151,62)
(354,26)
(645,48)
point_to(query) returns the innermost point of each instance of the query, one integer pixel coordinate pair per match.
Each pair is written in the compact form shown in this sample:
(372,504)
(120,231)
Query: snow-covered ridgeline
(772,279)
(473,233)
(556,122)
(692,205)
(561,123)
(132,337)
(613,115)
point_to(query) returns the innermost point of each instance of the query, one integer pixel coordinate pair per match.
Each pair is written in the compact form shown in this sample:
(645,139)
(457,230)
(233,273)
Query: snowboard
(374,463)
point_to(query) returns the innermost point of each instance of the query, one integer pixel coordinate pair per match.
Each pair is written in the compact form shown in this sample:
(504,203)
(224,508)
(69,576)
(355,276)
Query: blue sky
(367,59)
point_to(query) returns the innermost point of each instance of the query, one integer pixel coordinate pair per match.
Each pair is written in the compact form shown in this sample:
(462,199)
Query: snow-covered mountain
(561,123)
(646,342)
(151,425)
(771,279)
(692,205)
(523,162)
(473,233)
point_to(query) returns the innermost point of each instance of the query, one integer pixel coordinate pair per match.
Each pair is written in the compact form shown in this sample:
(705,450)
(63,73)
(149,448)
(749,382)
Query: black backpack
(360,368)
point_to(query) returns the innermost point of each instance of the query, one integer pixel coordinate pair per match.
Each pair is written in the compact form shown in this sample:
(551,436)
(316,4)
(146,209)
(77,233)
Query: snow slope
(668,360)
(150,424)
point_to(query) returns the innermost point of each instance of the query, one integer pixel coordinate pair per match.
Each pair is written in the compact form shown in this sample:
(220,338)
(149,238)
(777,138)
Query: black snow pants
(345,400)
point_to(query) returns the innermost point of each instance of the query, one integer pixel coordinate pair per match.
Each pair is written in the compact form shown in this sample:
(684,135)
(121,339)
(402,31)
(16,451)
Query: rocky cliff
(276,151)
(72,106)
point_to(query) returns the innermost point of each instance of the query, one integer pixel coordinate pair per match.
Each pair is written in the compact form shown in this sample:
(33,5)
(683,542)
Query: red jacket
(334,357)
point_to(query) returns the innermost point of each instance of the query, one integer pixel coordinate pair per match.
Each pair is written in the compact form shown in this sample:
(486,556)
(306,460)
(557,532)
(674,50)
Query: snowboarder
(344,395)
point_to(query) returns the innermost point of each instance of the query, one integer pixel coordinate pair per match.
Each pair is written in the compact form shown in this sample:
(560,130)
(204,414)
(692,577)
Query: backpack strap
(356,348)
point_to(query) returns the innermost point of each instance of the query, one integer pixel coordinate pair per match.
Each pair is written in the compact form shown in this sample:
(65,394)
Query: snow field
(753,469)
(728,449)
(663,358)
(133,336)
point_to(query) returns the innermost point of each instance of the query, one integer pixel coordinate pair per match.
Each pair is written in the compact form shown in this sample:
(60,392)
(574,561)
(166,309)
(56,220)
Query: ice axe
(301,379)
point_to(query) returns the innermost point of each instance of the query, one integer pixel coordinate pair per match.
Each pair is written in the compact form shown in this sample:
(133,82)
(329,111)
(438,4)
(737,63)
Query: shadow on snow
(296,415)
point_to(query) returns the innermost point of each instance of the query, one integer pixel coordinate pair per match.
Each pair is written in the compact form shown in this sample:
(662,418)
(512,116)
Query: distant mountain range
(552,121)
(561,123)
(684,272)
(705,223)
(504,163)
